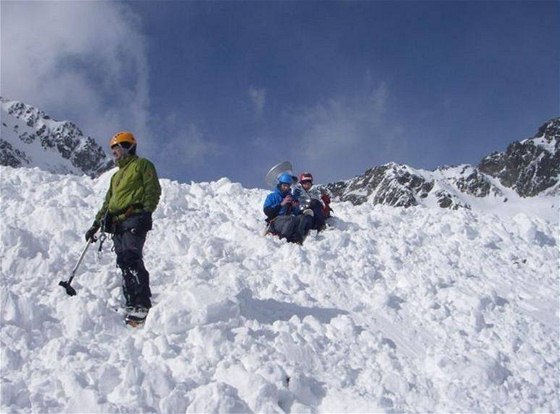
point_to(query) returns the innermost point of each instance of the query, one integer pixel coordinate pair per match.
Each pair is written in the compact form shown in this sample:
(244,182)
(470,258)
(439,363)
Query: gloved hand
(91,232)
(287,200)
(326,199)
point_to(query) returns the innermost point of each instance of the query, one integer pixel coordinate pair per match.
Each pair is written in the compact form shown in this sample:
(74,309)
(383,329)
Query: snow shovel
(272,176)
(66,285)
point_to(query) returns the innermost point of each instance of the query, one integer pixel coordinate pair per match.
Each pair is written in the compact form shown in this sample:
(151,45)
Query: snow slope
(391,310)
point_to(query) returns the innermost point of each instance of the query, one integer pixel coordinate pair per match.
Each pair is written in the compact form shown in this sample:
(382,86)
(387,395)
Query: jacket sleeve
(271,206)
(152,188)
(296,192)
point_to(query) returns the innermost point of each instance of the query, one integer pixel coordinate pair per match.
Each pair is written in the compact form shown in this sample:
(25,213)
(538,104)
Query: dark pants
(129,242)
(292,228)
(318,215)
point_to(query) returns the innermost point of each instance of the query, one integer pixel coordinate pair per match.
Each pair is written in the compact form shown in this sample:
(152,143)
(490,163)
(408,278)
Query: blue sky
(228,89)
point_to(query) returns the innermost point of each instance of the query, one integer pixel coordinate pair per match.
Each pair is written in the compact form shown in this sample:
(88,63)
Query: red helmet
(306,176)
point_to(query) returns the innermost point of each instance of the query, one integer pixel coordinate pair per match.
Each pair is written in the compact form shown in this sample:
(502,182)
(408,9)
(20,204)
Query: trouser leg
(136,285)
(318,215)
(136,279)
(293,228)
(304,224)
(284,226)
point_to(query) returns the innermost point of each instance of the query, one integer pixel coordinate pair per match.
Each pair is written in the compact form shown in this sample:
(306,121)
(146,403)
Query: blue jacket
(272,207)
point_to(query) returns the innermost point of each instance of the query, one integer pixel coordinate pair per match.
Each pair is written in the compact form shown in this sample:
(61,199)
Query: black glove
(91,232)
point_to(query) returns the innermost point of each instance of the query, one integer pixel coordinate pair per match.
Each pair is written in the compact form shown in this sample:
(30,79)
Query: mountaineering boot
(136,316)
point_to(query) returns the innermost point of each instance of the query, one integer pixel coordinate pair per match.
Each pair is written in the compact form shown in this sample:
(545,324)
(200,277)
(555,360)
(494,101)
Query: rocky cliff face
(31,138)
(529,168)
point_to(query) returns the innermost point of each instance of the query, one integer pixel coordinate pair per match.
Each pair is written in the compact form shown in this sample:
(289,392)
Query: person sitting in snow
(132,197)
(284,217)
(309,197)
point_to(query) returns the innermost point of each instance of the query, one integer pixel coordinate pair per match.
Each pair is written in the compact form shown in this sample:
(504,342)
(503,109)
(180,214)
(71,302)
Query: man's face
(284,188)
(118,152)
(306,185)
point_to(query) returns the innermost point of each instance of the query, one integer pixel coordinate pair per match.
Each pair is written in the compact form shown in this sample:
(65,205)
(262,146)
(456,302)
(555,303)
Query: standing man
(132,197)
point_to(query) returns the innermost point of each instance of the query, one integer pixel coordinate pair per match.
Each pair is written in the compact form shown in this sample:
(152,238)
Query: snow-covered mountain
(31,138)
(529,168)
(388,310)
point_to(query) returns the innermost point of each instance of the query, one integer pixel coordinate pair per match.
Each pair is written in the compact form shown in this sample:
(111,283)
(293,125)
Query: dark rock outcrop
(530,167)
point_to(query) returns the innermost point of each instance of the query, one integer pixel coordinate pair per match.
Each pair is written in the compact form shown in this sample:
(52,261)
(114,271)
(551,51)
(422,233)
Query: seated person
(284,217)
(311,198)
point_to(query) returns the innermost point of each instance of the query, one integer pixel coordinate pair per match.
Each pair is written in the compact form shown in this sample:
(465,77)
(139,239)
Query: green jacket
(134,185)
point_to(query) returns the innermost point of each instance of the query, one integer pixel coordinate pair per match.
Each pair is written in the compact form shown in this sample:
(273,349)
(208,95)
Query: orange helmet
(123,136)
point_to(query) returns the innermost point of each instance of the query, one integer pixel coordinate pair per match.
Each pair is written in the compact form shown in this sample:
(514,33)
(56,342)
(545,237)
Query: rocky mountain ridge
(31,138)
(526,168)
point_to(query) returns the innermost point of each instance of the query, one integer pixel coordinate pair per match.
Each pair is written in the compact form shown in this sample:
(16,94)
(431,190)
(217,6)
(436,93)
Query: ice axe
(66,285)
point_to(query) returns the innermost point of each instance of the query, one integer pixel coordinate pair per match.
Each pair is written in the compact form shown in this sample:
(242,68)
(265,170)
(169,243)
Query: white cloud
(182,143)
(344,136)
(80,61)
(339,125)
(258,99)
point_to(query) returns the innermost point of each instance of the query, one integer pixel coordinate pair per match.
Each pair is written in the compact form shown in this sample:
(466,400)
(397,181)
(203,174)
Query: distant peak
(31,138)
